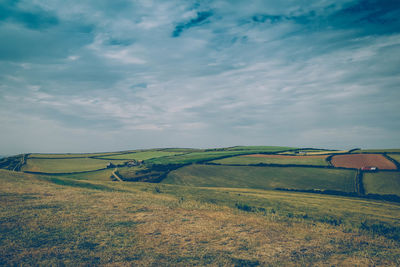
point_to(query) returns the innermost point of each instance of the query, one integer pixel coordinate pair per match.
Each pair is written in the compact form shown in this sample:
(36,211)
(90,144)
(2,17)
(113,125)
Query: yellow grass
(57,222)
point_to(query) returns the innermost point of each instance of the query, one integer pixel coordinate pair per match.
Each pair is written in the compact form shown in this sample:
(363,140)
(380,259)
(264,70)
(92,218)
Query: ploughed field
(363,160)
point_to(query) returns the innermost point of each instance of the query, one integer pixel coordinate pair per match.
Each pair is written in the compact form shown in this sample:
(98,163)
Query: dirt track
(363,160)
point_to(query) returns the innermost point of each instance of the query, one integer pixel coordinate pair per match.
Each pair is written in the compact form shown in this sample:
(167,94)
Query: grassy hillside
(263,177)
(209,155)
(60,221)
(299,160)
(65,165)
(382,183)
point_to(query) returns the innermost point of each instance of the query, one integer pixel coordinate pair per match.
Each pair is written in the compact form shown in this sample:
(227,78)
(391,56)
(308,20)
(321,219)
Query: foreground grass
(263,177)
(59,221)
(382,183)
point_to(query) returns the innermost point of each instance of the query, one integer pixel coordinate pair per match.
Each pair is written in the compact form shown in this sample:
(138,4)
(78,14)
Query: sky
(99,75)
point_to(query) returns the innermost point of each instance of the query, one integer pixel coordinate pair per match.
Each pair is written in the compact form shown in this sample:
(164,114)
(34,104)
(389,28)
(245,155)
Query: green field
(377,150)
(56,221)
(102,175)
(143,155)
(263,177)
(396,157)
(210,155)
(260,148)
(382,183)
(65,165)
(74,155)
(244,160)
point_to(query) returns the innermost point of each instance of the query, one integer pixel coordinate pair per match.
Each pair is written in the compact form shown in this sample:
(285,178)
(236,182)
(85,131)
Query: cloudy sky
(105,75)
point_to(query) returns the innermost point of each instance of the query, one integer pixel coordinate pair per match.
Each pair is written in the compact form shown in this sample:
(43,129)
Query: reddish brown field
(286,156)
(363,160)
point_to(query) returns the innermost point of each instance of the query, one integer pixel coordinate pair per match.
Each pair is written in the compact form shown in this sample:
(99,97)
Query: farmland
(390,150)
(274,159)
(263,177)
(74,155)
(382,183)
(395,157)
(142,155)
(362,160)
(185,207)
(65,165)
(196,157)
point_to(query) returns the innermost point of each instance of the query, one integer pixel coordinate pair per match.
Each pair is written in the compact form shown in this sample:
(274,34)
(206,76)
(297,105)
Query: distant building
(110,165)
(131,163)
(369,168)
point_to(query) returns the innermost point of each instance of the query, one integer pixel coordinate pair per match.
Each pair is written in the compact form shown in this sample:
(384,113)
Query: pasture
(73,155)
(65,165)
(396,157)
(209,155)
(274,159)
(143,155)
(389,150)
(263,177)
(384,183)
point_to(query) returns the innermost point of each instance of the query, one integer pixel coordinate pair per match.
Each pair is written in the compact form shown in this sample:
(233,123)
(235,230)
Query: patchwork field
(209,155)
(263,177)
(274,159)
(191,213)
(65,165)
(363,160)
(382,183)
(142,155)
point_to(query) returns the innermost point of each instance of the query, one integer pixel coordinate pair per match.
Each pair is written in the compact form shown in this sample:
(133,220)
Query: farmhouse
(369,168)
(110,165)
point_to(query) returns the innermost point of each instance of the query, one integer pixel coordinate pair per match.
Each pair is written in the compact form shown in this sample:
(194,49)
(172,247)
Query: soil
(363,160)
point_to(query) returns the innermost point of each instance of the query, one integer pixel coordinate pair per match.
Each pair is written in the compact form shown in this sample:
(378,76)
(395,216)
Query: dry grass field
(46,221)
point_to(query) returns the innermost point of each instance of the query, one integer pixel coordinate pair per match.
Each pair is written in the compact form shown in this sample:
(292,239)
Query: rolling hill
(198,207)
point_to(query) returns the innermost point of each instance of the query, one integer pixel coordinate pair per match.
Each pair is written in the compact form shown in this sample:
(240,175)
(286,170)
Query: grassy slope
(143,155)
(382,183)
(263,177)
(60,221)
(243,160)
(65,165)
(103,175)
(210,155)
